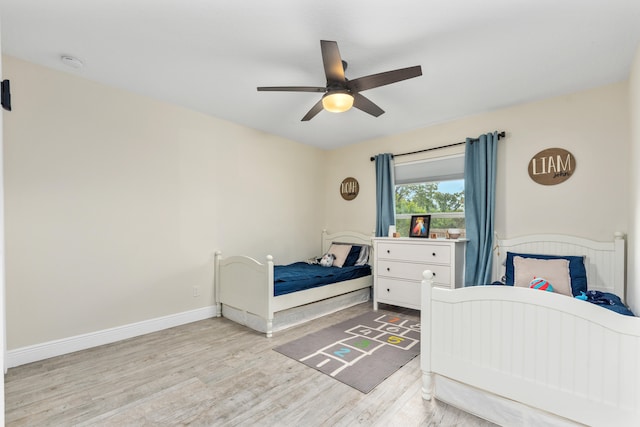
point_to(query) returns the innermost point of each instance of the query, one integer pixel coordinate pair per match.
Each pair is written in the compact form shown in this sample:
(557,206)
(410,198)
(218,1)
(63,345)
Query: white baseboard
(33,353)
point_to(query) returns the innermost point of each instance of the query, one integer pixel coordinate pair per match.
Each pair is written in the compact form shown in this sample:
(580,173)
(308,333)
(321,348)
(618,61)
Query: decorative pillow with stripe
(577,269)
(555,271)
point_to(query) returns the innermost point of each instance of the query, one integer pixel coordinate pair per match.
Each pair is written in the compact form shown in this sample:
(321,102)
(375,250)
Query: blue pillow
(577,271)
(353,256)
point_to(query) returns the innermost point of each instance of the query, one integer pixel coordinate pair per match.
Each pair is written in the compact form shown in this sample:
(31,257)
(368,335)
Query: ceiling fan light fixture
(340,93)
(337,101)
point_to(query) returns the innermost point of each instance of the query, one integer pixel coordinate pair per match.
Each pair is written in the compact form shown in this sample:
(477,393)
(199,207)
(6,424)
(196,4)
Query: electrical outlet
(196,291)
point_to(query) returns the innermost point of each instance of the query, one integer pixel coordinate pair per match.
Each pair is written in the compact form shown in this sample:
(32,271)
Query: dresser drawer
(409,252)
(398,292)
(413,271)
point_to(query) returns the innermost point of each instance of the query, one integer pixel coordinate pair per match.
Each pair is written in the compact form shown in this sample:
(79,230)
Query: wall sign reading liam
(552,166)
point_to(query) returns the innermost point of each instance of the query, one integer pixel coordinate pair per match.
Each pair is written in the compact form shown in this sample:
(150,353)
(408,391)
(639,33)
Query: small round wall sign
(552,166)
(349,188)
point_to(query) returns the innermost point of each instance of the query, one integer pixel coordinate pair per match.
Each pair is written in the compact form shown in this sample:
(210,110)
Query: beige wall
(593,125)
(115,203)
(633,267)
(2,263)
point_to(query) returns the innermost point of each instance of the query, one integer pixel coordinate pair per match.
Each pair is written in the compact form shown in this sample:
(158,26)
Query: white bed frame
(517,356)
(244,290)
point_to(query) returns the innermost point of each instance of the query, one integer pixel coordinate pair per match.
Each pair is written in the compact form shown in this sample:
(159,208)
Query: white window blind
(432,170)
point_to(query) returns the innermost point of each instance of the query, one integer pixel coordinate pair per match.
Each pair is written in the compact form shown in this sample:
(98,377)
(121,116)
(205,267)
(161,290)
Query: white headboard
(605,262)
(345,237)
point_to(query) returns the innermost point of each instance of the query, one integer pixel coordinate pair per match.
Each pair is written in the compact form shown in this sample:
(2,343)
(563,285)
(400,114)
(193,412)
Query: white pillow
(555,271)
(363,258)
(340,251)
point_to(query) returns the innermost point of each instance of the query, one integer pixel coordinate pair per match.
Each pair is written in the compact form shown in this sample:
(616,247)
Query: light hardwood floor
(213,373)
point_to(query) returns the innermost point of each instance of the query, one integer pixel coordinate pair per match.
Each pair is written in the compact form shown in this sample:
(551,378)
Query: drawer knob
(434,254)
(388,251)
(388,269)
(388,290)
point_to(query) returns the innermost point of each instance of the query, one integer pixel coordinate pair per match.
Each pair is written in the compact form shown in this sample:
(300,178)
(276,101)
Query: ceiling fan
(340,93)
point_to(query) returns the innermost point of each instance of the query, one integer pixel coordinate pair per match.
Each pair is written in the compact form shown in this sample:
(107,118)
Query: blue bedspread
(608,300)
(603,299)
(300,276)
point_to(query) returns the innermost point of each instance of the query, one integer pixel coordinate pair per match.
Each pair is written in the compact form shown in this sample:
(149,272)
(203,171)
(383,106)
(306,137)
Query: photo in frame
(419,226)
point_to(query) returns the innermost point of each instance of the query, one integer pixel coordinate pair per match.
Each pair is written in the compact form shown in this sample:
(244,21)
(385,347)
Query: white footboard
(550,353)
(245,284)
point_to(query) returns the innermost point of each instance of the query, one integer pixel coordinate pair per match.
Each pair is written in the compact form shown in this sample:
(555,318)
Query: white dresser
(400,262)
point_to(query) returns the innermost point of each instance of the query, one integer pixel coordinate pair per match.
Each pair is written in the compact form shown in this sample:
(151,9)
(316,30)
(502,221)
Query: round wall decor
(552,166)
(349,188)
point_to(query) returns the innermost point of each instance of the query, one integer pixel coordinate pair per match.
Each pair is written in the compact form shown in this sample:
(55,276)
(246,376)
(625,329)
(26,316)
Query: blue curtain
(479,194)
(385,194)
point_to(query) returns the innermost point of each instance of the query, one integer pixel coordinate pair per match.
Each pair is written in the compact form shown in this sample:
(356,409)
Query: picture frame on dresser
(420,226)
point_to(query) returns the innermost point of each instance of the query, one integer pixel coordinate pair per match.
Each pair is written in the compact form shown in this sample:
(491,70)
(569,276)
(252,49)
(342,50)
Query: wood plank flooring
(213,373)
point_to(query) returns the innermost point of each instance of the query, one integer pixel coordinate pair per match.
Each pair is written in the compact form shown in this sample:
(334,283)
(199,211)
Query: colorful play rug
(360,352)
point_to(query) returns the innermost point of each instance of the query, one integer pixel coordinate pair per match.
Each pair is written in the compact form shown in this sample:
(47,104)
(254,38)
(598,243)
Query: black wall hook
(5,96)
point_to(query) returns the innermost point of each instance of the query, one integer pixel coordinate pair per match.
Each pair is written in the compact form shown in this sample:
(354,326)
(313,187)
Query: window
(434,187)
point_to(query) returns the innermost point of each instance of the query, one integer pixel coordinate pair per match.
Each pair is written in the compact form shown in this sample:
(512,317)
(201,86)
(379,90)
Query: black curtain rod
(501,134)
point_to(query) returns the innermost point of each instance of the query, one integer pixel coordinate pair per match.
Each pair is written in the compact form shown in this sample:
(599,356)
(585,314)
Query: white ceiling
(210,55)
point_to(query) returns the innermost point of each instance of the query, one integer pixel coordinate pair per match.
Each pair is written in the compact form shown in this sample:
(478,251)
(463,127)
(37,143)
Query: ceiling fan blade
(291,89)
(366,105)
(381,79)
(333,68)
(314,110)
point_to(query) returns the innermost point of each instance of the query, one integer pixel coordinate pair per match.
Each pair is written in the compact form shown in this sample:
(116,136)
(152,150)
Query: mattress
(300,276)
